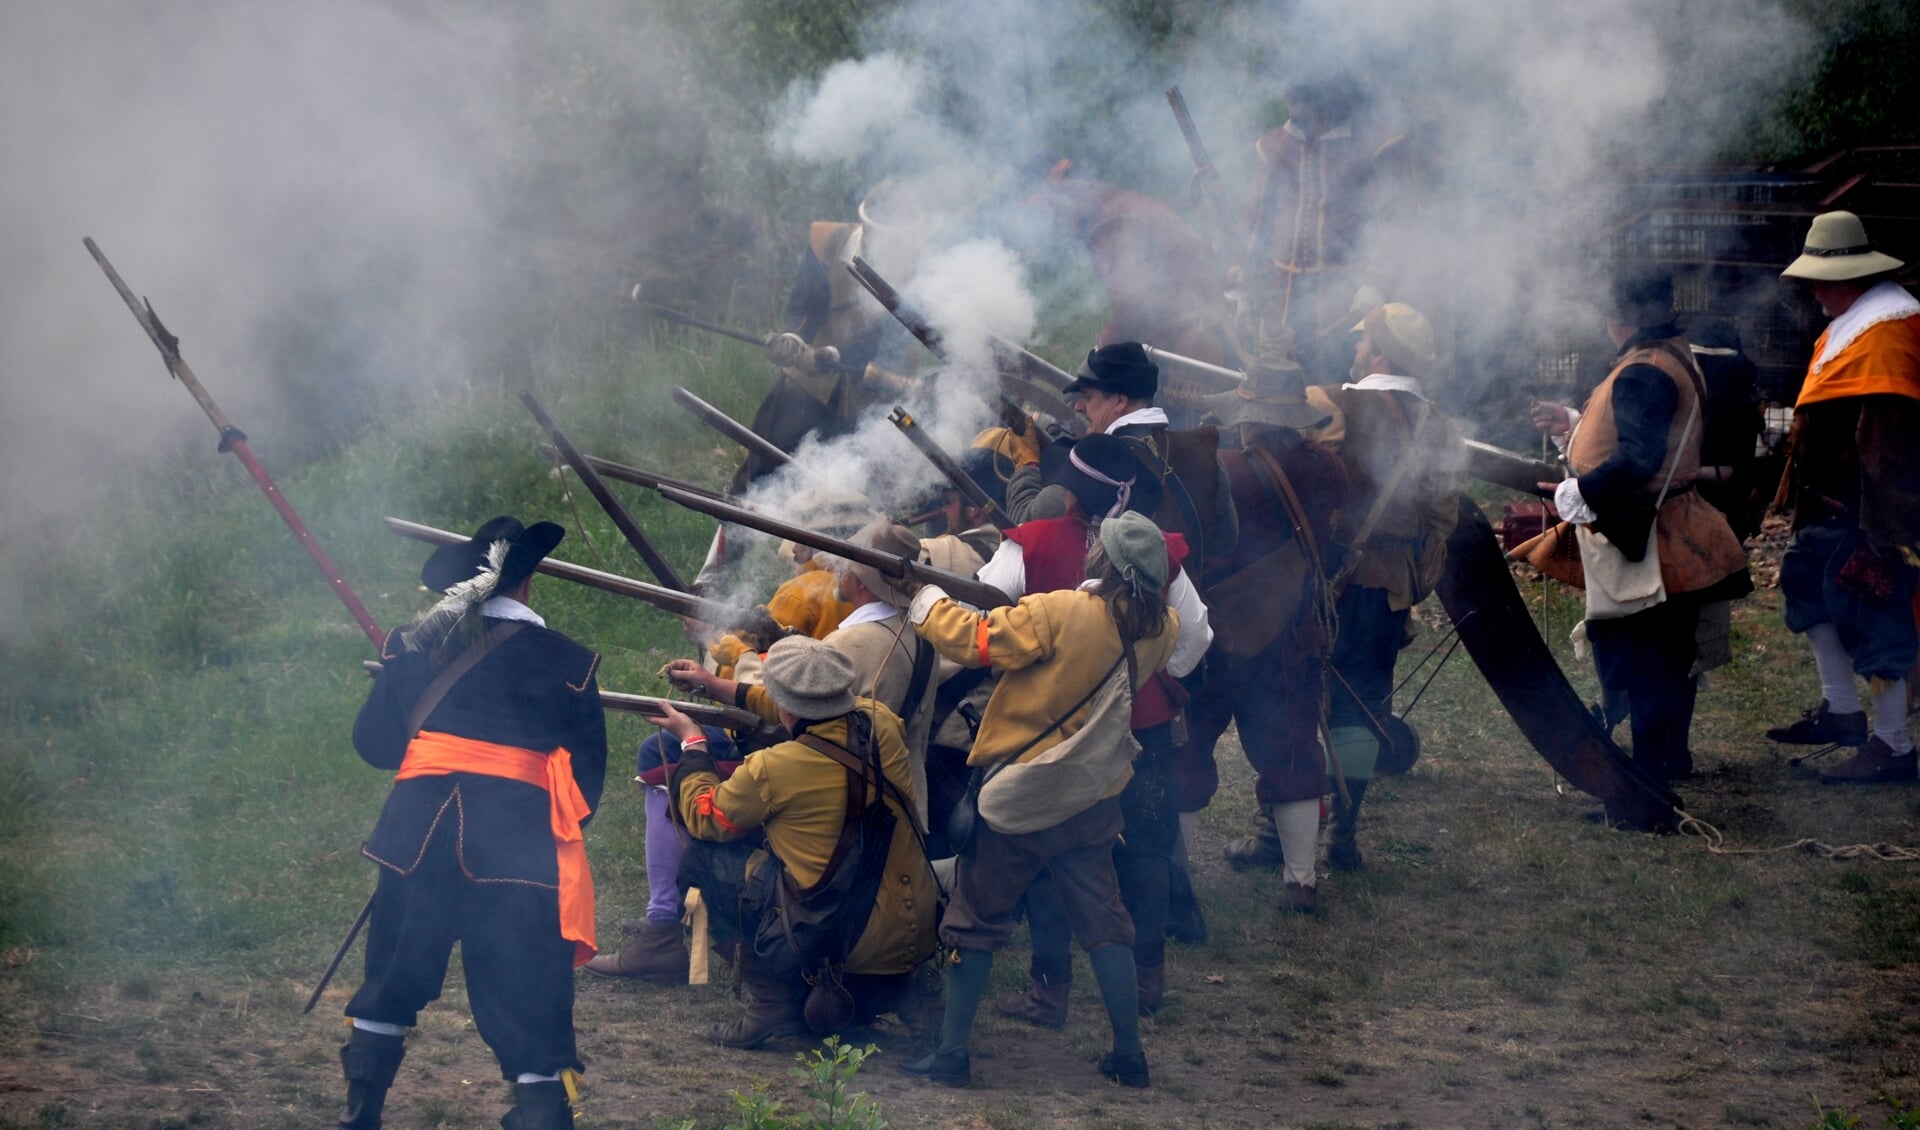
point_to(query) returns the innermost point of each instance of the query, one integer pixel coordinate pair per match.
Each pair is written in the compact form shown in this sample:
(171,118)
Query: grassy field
(180,812)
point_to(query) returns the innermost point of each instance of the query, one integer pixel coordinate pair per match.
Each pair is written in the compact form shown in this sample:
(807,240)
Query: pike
(889,564)
(628,473)
(948,466)
(234,440)
(678,603)
(731,428)
(1005,353)
(636,537)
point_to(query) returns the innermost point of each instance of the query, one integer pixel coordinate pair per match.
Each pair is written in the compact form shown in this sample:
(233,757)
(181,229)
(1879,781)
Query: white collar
(1888,301)
(507,608)
(1152,414)
(1388,382)
(871,612)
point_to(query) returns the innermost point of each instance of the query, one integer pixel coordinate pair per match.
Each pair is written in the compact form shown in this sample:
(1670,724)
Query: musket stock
(893,565)
(678,603)
(656,562)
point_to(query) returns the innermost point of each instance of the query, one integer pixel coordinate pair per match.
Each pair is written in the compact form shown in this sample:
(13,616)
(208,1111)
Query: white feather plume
(430,626)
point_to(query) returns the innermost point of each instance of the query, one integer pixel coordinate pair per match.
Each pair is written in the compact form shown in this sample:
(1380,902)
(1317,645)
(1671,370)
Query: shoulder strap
(1273,477)
(858,768)
(1157,464)
(453,672)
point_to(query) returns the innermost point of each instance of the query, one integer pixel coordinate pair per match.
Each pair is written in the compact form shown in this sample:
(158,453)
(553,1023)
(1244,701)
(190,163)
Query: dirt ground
(1503,961)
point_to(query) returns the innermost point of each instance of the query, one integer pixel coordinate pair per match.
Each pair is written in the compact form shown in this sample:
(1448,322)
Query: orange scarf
(1884,358)
(435,755)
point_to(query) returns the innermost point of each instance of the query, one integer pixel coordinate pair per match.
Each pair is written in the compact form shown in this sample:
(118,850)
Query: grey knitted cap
(1133,543)
(808,679)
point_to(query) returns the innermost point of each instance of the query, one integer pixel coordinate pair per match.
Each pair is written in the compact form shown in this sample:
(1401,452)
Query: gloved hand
(1023,447)
(788,351)
(1868,575)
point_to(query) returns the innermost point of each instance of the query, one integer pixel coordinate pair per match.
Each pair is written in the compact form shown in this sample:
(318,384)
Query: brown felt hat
(1837,250)
(887,538)
(1273,391)
(808,679)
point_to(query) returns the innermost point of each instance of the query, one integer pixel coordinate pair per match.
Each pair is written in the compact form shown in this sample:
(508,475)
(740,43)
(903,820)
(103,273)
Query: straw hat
(1403,334)
(1838,250)
(887,538)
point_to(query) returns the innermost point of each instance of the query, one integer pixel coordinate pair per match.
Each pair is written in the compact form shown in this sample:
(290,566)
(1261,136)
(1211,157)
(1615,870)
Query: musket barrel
(949,467)
(731,428)
(628,473)
(656,561)
(964,588)
(705,713)
(678,603)
(1191,364)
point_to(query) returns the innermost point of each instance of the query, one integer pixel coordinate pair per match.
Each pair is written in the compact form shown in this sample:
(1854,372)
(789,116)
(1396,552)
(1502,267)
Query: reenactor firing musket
(948,466)
(731,428)
(234,440)
(1005,353)
(889,564)
(636,537)
(627,473)
(1510,469)
(678,603)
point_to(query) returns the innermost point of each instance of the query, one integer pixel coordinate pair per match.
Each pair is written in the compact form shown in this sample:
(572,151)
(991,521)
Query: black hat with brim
(527,546)
(1122,368)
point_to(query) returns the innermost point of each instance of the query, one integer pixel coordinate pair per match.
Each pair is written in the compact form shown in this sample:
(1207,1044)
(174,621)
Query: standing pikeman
(494,724)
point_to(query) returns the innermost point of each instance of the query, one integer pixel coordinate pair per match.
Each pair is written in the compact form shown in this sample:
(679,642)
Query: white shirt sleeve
(1007,571)
(1195,633)
(1572,506)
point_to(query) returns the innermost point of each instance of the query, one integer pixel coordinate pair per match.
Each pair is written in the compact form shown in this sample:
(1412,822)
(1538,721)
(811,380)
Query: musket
(1510,469)
(946,464)
(889,564)
(705,713)
(668,314)
(733,429)
(627,473)
(678,603)
(1006,354)
(1202,160)
(234,440)
(1216,378)
(636,537)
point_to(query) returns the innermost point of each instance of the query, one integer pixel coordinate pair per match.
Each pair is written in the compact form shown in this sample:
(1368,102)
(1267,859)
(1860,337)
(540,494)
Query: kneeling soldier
(811,799)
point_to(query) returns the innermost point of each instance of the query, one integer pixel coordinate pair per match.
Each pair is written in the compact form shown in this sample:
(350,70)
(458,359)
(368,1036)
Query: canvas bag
(1617,587)
(1070,778)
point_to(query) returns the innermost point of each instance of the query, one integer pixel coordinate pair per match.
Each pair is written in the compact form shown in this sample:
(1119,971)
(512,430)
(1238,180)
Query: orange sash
(435,755)
(1885,358)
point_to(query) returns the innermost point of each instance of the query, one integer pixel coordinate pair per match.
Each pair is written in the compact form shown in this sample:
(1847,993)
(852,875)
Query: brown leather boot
(777,1009)
(1152,980)
(1343,847)
(655,952)
(1875,764)
(1298,899)
(1043,1005)
(1260,850)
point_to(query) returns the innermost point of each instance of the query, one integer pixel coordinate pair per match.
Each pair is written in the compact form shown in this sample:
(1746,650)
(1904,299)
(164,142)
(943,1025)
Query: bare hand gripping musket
(636,537)
(1005,353)
(234,440)
(678,603)
(948,466)
(889,564)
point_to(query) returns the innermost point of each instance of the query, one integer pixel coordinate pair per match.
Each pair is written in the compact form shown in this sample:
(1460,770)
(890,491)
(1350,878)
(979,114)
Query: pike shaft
(234,440)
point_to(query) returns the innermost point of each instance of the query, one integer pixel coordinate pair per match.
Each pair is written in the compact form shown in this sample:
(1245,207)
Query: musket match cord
(1715,841)
(560,472)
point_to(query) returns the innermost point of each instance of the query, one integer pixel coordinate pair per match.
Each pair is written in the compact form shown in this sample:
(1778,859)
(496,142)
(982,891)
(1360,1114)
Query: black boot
(1185,923)
(1343,850)
(369,1060)
(539,1106)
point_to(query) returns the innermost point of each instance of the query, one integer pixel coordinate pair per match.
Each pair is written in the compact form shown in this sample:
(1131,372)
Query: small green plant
(1900,1117)
(827,1073)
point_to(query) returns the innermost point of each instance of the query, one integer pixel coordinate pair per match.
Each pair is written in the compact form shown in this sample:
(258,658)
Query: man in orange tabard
(1853,486)
(493,722)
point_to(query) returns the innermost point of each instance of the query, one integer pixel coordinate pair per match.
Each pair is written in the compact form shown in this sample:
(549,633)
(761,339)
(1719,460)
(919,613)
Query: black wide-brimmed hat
(1122,367)
(527,546)
(1096,468)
